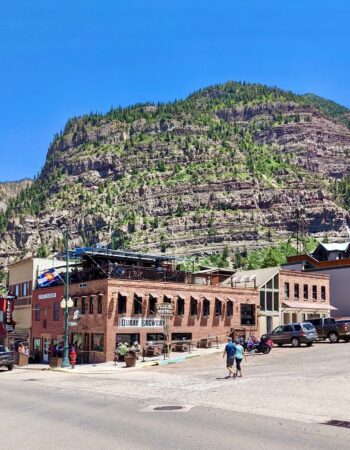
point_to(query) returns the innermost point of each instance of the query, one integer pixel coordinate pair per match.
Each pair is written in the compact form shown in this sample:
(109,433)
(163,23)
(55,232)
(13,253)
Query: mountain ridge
(230,165)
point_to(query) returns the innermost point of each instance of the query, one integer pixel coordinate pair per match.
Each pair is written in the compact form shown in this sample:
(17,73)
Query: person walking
(239,355)
(230,351)
(72,356)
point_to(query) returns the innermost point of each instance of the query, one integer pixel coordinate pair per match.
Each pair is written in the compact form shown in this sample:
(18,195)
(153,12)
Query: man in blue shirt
(230,351)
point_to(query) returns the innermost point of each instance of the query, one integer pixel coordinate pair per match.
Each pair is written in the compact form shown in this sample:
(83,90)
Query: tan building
(22,280)
(285,295)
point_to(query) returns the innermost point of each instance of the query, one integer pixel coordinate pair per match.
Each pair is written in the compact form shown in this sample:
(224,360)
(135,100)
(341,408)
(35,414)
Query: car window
(308,326)
(297,327)
(277,330)
(288,328)
(329,321)
(316,322)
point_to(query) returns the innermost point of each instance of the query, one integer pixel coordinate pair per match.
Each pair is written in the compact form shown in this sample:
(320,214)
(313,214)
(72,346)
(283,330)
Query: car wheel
(10,367)
(295,342)
(280,345)
(333,337)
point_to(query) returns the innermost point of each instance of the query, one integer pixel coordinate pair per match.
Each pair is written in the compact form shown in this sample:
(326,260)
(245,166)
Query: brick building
(113,311)
(286,296)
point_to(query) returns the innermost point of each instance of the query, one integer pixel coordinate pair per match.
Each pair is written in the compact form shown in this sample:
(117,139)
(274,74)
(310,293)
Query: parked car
(328,328)
(294,334)
(6,358)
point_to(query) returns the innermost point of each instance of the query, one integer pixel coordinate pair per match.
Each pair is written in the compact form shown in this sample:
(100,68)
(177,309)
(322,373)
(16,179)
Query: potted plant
(130,358)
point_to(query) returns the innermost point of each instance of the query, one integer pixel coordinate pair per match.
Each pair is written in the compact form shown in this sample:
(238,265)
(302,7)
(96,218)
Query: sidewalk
(109,367)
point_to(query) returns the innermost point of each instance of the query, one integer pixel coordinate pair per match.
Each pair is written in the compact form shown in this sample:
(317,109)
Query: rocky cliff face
(9,190)
(230,165)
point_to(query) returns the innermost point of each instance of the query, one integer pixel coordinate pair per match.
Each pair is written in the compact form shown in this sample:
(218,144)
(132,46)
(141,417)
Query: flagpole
(65,361)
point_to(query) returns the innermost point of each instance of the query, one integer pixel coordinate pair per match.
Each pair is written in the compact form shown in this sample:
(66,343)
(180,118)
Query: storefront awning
(314,306)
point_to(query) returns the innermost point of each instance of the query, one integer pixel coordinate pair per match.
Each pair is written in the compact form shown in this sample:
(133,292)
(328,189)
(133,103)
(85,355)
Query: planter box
(130,361)
(55,362)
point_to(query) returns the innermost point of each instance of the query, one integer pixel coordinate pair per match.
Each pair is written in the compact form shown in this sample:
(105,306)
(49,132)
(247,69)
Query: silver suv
(294,334)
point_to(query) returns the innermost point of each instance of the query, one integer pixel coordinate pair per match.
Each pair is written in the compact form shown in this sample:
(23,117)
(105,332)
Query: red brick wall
(107,322)
(53,328)
(311,279)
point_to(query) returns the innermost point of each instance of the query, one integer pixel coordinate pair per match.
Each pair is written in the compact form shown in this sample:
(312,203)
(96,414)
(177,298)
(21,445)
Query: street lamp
(66,302)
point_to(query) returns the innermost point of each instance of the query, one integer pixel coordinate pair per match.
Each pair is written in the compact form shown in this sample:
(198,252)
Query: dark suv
(6,358)
(294,334)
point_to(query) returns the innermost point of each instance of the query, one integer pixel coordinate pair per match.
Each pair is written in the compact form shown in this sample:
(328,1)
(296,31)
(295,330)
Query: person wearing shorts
(229,352)
(239,355)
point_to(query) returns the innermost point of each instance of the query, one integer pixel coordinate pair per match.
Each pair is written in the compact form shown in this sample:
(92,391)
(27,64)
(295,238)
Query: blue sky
(65,58)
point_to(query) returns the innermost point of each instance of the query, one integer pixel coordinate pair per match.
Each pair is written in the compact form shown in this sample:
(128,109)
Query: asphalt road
(281,403)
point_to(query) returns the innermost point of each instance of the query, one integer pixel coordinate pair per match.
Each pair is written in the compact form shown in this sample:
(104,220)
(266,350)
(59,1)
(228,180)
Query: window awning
(195,297)
(154,295)
(182,296)
(123,293)
(139,294)
(207,297)
(304,305)
(168,296)
(218,298)
(230,299)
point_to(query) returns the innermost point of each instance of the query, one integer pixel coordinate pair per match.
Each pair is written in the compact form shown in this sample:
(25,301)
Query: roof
(303,305)
(108,253)
(336,246)
(252,278)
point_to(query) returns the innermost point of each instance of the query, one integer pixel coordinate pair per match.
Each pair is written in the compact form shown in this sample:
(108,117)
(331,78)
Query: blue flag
(48,277)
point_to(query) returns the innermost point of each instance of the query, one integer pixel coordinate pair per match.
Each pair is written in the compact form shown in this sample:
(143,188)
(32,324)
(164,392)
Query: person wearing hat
(230,351)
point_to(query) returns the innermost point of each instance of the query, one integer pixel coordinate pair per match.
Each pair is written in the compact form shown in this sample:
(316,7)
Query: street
(283,402)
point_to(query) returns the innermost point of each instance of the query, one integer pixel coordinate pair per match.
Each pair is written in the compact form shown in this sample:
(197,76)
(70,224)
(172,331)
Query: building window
(194,307)
(276,302)
(314,292)
(97,342)
(17,290)
(76,299)
(37,312)
(206,307)
(262,301)
(323,292)
(306,291)
(181,336)
(25,289)
(269,301)
(56,311)
(91,305)
(166,299)
(121,304)
(137,305)
(276,282)
(296,291)
(83,305)
(229,308)
(247,314)
(286,290)
(99,304)
(152,305)
(180,307)
(218,307)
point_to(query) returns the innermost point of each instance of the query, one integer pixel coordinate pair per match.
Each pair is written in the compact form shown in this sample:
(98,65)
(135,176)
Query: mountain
(234,165)
(10,189)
